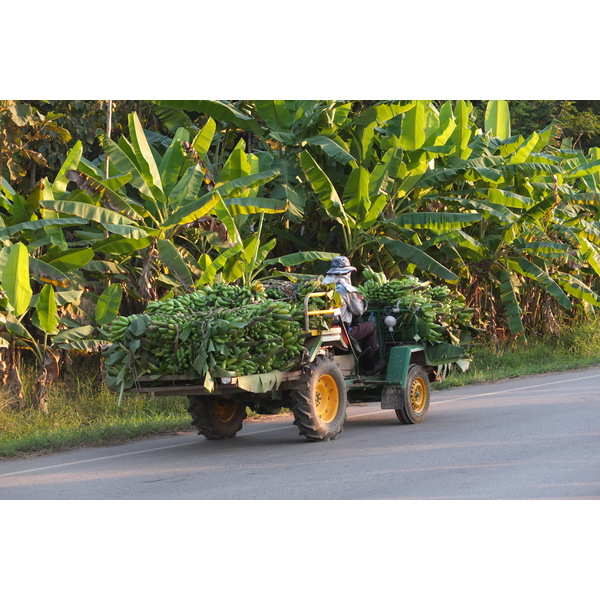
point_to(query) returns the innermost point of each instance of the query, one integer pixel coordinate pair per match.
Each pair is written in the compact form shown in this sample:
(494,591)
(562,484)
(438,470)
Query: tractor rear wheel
(320,407)
(216,418)
(415,396)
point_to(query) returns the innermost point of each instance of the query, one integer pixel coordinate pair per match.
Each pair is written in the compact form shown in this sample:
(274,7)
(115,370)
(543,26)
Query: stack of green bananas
(441,314)
(217,329)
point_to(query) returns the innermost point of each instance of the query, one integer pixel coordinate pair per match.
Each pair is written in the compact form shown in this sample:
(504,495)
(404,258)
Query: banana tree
(531,223)
(159,216)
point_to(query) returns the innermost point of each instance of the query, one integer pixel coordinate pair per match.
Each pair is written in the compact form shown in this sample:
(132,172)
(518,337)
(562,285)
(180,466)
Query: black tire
(415,396)
(216,418)
(320,408)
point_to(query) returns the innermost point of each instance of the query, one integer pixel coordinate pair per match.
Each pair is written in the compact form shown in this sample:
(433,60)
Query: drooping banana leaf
(508,297)
(298,258)
(324,188)
(332,148)
(171,259)
(435,221)
(578,289)
(98,214)
(532,271)
(221,111)
(48,273)
(415,256)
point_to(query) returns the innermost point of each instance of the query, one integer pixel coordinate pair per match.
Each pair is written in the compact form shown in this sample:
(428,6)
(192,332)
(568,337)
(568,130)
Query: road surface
(526,438)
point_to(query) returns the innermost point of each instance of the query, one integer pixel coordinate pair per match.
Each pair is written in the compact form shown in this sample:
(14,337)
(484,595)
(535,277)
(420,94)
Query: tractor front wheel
(415,396)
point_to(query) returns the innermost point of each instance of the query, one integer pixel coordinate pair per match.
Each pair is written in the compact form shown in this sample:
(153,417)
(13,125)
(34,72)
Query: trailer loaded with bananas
(273,345)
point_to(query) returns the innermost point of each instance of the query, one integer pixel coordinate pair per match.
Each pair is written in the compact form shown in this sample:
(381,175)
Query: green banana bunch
(440,314)
(217,329)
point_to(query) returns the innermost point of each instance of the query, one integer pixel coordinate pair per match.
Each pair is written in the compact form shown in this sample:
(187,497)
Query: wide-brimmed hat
(340,265)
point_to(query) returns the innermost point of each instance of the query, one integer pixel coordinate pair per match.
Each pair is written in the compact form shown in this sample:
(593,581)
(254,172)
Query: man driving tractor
(351,311)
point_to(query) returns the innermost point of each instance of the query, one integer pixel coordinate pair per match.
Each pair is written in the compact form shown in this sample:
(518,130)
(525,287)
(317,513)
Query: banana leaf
(497,118)
(171,259)
(324,188)
(46,316)
(332,148)
(435,221)
(220,111)
(107,308)
(508,297)
(532,271)
(97,214)
(417,257)
(48,273)
(15,279)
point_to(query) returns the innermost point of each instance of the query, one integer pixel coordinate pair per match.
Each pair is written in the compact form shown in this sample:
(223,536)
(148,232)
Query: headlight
(390,322)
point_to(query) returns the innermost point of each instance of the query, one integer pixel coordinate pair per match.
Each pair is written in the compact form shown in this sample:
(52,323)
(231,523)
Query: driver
(351,310)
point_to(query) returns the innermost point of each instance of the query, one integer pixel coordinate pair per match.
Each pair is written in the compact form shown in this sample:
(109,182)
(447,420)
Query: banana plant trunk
(10,378)
(47,374)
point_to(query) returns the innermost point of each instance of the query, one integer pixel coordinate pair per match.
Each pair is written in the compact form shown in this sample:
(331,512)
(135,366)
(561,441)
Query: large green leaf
(331,148)
(48,273)
(253,205)
(531,270)
(218,110)
(188,187)
(46,316)
(236,165)
(461,136)
(525,149)
(71,260)
(42,223)
(509,299)
(356,193)
(74,333)
(275,113)
(109,303)
(413,127)
(173,160)
(98,214)
(204,138)
(117,244)
(436,221)
(71,162)
(15,279)
(298,258)
(125,163)
(508,198)
(193,210)
(171,259)
(241,185)
(589,252)
(145,158)
(213,268)
(578,289)
(497,118)
(417,257)
(324,188)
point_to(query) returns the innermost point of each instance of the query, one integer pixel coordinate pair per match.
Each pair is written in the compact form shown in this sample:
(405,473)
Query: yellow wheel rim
(418,394)
(327,398)
(224,411)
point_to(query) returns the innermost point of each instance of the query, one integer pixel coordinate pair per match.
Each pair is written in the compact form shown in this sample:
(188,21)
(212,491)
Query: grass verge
(83,412)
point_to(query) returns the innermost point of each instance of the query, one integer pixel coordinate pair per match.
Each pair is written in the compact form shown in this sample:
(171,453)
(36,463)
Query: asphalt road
(526,438)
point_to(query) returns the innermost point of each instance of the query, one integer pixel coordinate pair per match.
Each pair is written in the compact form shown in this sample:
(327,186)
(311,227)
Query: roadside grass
(575,347)
(83,412)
